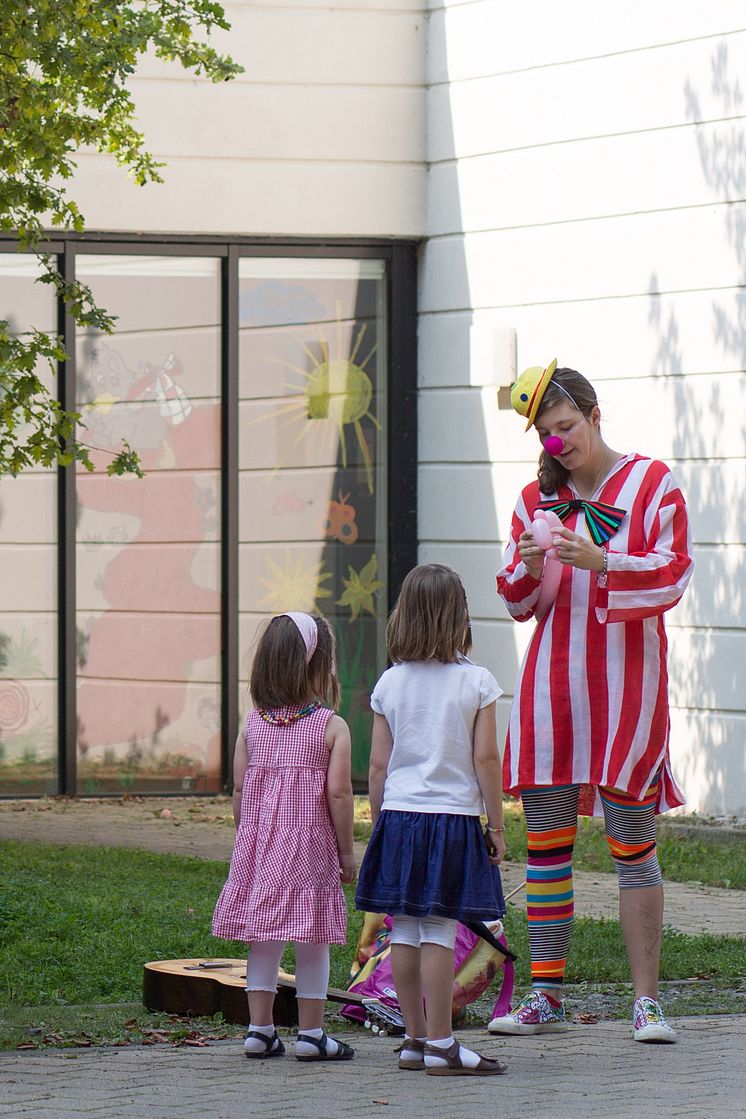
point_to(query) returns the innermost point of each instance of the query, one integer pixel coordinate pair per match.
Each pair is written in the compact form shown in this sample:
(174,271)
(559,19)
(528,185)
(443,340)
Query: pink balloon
(544,524)
(541,531)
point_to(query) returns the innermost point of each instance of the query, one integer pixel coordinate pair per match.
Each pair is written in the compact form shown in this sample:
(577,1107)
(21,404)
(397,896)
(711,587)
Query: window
(28,588)
(312,460)
(148,564)
(270,391)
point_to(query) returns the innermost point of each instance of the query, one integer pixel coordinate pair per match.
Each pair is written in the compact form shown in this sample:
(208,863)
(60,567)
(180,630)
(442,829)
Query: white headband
(557,385)
(307,628)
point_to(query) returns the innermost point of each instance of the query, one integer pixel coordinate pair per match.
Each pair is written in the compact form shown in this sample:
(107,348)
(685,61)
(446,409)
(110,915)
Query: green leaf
(126,462)
(64,69)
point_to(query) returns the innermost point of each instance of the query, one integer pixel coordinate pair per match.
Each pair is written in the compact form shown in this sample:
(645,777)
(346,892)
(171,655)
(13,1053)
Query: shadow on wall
(495,644)
(709,435)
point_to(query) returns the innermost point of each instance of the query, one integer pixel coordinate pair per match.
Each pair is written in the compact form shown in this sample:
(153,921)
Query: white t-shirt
(430,709)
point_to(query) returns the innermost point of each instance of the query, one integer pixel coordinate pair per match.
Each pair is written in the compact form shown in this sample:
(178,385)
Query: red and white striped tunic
(591,698)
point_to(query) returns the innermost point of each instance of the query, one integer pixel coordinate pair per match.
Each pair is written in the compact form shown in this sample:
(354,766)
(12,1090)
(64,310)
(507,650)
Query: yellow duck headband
(528,391)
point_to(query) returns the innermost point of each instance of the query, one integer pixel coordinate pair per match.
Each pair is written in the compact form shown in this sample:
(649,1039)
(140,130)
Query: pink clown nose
(553,445)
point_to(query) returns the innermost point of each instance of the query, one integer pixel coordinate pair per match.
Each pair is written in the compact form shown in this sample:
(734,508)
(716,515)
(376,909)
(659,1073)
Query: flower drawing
(294,584)
(360,588)
(20,659)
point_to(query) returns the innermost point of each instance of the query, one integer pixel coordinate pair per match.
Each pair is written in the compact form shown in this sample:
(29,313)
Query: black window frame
(401,257)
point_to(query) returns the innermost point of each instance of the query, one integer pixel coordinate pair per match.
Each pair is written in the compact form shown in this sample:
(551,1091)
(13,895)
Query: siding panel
(469,40)
(708,756)
(625,256)
(631,92)
(294,198)
(650,335)
(584,179)
(250,121)
(300,46)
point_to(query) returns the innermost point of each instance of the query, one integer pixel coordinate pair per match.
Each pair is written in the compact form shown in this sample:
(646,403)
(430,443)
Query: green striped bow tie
(602,520)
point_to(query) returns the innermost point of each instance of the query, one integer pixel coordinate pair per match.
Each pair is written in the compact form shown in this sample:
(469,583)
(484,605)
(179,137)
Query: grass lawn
(77,924)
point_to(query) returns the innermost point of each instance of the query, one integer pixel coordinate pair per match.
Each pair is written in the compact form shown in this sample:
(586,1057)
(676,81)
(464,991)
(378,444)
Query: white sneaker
(533,1015)
(649,1023)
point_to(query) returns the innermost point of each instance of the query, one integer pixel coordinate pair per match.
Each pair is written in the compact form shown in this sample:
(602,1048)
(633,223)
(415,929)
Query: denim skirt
(429,864)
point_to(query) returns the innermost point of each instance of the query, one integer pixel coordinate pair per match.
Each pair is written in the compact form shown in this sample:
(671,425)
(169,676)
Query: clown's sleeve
(643,584)
(518,589)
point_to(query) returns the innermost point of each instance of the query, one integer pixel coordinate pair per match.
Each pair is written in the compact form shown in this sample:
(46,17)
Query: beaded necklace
(285,720)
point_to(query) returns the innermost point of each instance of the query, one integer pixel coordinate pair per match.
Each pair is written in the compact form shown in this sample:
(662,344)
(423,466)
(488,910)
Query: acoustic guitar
(203,987)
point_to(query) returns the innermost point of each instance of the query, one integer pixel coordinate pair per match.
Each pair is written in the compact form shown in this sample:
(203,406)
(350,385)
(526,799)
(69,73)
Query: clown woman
(589,725)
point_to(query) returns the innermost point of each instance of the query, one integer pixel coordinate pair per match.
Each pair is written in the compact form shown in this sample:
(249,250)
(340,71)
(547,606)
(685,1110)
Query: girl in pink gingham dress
(292,803)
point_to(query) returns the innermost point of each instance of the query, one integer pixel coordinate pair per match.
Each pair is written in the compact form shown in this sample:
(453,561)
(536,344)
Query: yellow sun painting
(294,584)
(337,390)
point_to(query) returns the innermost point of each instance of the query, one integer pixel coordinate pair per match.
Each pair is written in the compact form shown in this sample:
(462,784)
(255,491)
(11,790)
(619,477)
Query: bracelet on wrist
(498,830)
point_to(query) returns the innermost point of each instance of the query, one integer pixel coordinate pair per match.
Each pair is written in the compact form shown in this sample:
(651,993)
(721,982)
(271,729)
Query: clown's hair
(565,384)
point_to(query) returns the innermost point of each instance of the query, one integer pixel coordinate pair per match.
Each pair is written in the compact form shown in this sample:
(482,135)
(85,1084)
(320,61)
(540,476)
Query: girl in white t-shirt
(434,769)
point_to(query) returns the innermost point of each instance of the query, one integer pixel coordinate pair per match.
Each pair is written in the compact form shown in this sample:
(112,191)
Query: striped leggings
(552,822)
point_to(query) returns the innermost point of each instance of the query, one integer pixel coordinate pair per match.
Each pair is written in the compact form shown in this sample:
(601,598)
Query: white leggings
(415,931)
(311,968)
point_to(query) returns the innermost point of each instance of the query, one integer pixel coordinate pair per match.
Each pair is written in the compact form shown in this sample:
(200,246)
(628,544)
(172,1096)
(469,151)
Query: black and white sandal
(344,1052)
(273,1047)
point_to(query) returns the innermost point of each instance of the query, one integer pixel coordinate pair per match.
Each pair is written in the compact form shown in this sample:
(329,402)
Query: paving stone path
(590,1072)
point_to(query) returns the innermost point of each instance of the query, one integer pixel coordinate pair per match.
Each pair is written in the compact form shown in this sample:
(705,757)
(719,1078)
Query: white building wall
(579,170)
(322,135)
(585,201)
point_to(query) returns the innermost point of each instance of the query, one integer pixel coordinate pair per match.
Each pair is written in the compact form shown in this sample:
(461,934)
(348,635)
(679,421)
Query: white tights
(311,968)
(415,931)
(312,980)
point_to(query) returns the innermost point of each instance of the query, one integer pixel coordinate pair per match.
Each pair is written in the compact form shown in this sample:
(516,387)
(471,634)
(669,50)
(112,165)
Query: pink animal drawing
(159,622)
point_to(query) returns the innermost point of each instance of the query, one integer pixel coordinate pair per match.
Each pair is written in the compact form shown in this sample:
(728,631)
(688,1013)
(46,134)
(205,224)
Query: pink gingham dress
(283,882)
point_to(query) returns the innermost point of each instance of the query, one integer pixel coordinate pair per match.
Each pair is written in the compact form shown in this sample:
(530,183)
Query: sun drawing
(337,391)
(294,584)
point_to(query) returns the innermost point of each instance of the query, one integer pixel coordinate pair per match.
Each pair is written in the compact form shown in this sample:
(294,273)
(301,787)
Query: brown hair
(552,474)
(279,673)
(431,618)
